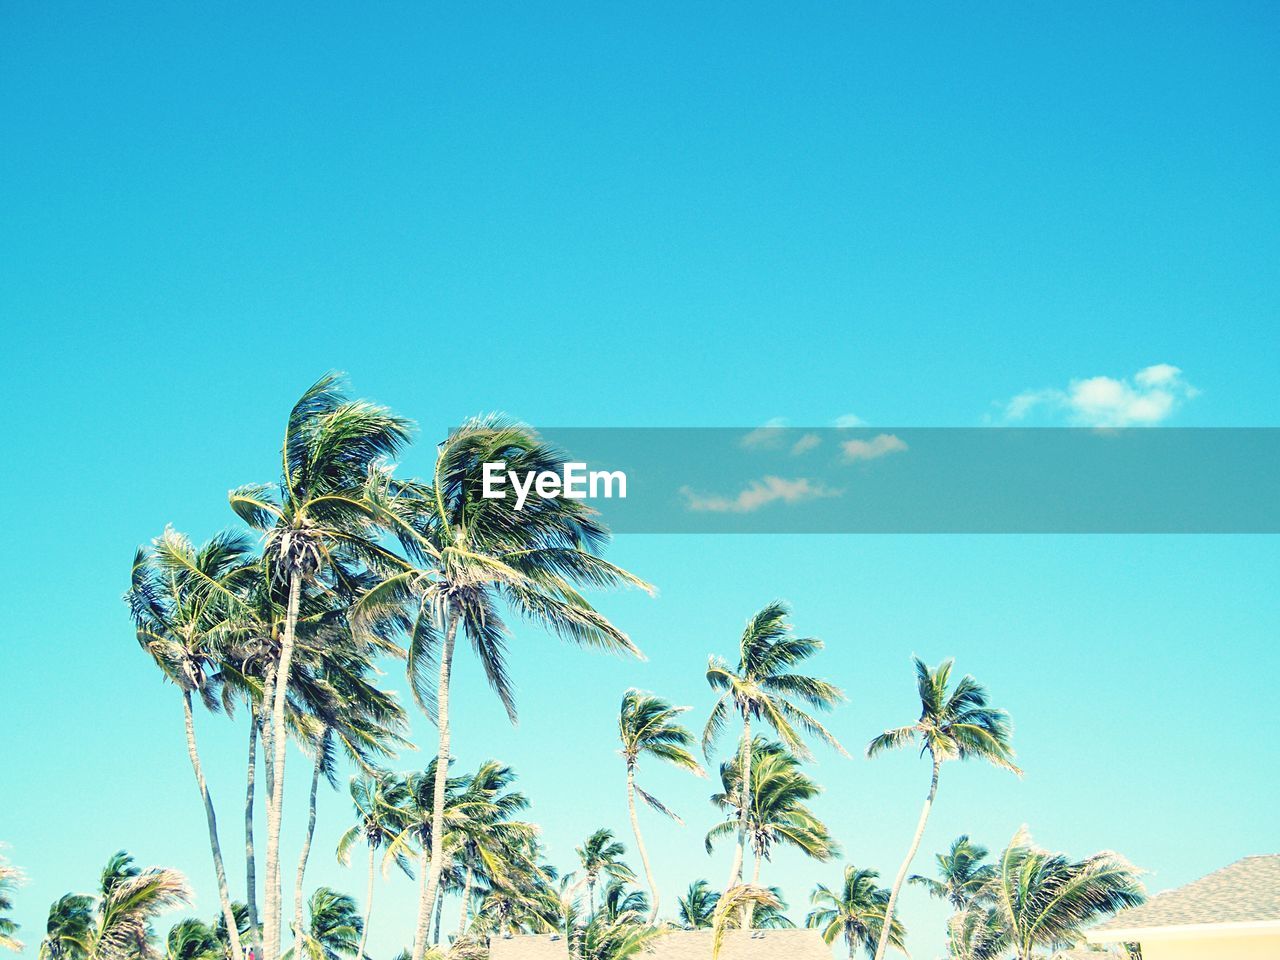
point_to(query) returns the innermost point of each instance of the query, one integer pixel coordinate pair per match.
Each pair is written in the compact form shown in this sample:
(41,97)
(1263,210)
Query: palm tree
(350,713)
(10,877)
(318,521)
(975,933)
(954,724)
(334,930)
(771,916)
(647,725)
(69,929)
(117,924)
(468,554)
(778,812)
(489,844)
(192,939)
(738,901)
(961,871)
(377,801)
(696,908)
(1043,899)
(855,912)
(183,601)
(601,855)
(763,687)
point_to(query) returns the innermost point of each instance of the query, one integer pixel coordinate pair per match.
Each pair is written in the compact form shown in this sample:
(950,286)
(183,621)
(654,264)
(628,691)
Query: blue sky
(651,216)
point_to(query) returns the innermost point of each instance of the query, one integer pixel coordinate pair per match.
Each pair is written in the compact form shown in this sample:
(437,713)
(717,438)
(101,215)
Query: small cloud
(1152,395)
(770,435)
(848,420)
(805,444)
(759,493)
(878,446)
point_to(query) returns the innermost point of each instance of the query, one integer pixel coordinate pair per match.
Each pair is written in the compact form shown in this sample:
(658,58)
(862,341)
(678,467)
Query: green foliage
(777,809)
(961,874)
(116,924)
(854,912)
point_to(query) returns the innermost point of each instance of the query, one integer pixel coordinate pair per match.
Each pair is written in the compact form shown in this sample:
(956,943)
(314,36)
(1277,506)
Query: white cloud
(878,446)
(805,444)
(1148,398)
(770,435)
(760,493)
(848,420)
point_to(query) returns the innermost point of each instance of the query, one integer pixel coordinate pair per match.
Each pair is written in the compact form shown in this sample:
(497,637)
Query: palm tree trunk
(749,908)
(274,894)
(368,908)
(887,929)
(464,915)
(644,854)
(224,895)
(437,801)
(306,840)
(439,913)
(420,930)
(250,865)
(735,875)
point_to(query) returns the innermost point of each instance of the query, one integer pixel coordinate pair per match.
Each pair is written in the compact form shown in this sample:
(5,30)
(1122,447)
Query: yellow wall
(1217,948)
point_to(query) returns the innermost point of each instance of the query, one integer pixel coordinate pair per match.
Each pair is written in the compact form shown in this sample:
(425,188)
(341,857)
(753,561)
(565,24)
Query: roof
(683,945)
(1244,896)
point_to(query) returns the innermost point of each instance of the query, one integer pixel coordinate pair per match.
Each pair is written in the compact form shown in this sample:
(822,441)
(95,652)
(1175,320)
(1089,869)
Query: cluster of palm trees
(353,565)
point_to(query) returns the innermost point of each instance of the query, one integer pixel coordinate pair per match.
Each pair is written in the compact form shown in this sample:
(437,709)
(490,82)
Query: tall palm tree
(350,715)
(695,909)
(601,855)
(10,877)
(954,724)
(116,925)
(961,872)
(647,726)
(856,912)
(468,555)
(778,811)
(183,601)
(377,801)
(1044,899)
(334,929)
(764,687)
(318,521)
(490,845)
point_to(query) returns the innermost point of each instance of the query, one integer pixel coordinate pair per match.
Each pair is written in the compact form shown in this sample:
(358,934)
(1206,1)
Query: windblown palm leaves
(647,726)
(601,855)
(1042,900)
(764,687)
(854,912)
(961,874)
(10,877)
(491,848)
(378,803)
(778,811)
(69,930)
(954,724)
(185,602)
(333,930)
(319,525)
(695,909)
(193,939)
(469,555)
(116,925)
